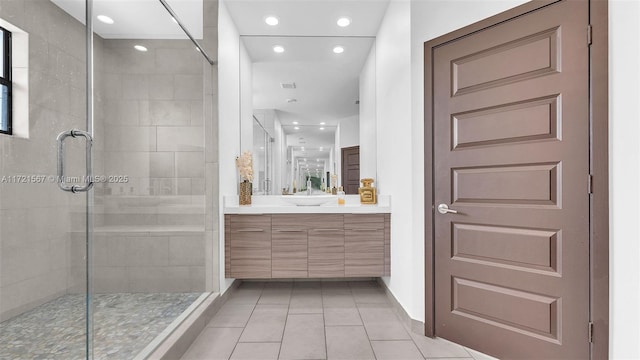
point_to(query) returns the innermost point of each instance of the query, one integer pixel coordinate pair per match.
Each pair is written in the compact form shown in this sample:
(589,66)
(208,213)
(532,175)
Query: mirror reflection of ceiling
(326,83)
(140,19)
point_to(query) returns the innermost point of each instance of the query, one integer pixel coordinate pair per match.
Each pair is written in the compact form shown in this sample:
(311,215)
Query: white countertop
(275,204)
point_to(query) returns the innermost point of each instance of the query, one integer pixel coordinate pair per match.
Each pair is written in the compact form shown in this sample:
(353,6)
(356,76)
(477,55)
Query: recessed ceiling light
(344,21)
(272,20)
(297,128)
(322,123)
(338,49)
(105,19)
(292,100)
(321,148)
(279,49)
(140,48)
(295,123)
(321,128)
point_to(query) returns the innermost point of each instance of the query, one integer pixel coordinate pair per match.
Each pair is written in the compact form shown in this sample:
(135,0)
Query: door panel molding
(599,201)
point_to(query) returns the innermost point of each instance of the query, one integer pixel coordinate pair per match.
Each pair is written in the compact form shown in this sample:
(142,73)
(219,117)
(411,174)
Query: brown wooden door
(351,169)
(511,140)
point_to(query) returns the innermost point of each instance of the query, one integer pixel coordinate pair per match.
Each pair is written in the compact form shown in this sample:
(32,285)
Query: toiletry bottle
(341,196)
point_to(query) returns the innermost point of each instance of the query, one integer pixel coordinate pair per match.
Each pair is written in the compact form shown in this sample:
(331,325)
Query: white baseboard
(416,326)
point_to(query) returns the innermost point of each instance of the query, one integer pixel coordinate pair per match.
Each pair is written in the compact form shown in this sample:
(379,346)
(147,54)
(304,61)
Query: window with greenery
(5,81)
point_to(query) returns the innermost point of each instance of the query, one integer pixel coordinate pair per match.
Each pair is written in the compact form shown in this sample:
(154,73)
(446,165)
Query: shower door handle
(88,180)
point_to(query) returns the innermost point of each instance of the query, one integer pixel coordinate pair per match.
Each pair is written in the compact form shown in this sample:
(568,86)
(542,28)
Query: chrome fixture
(61,154)
(444,208)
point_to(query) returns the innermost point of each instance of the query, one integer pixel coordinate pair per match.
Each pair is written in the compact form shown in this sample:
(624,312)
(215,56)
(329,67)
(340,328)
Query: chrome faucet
(309,186)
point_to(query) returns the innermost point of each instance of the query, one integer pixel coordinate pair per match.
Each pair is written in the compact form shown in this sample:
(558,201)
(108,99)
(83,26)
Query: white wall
(347,135)
(246,99)
(395,176)
(279,151)
(624,177)
(336,161)
(349,132)
(368,140)
(229,115)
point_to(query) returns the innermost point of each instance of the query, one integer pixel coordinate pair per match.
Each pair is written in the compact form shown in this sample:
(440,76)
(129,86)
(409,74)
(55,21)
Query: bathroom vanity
(272,239)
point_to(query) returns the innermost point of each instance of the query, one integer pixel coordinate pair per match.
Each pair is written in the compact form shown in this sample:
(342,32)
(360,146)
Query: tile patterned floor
(124,325)
(315,320)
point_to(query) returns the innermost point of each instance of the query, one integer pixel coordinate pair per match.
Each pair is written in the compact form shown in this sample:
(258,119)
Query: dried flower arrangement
(244,163)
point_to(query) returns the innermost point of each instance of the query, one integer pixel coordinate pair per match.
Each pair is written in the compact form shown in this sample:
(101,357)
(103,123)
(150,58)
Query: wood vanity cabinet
(249,238)
(307,245)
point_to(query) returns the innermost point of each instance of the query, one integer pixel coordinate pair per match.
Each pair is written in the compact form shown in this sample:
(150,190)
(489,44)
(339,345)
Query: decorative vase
(245,193)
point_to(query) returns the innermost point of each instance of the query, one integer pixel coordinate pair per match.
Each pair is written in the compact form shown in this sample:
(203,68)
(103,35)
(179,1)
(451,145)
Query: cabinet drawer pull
(363,229)
(250,230)
(289,231)
(327,229)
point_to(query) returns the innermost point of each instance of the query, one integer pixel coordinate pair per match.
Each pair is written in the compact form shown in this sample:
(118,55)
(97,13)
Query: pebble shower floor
(123,326)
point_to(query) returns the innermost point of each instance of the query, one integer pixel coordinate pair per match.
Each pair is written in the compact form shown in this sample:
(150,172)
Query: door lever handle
(444,208)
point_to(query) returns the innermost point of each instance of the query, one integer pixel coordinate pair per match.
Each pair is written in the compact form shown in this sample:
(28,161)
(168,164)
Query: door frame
(599,164)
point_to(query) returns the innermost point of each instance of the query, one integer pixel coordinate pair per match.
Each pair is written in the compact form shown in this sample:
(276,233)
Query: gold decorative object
(367,192)
(244,163)
(245,193)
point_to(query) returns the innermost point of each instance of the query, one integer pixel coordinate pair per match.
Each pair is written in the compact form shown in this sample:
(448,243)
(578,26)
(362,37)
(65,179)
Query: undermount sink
(308,200)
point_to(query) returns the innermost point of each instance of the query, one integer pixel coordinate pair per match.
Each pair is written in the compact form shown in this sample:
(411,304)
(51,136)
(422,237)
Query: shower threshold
(124,324)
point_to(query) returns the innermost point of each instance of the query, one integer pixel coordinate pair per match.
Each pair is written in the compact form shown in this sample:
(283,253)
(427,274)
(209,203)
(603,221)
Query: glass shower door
(149,236)
(43,230)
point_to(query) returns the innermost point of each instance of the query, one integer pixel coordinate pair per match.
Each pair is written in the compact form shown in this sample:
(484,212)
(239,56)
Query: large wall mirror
(308,111)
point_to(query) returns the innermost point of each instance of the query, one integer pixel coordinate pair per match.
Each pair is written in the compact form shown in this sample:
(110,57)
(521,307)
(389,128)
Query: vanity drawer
(250,223)
(364,221)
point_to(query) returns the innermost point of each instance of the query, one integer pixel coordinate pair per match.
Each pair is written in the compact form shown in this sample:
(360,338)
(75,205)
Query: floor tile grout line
(363,326)
(247,323)
(324,323)
(286,318)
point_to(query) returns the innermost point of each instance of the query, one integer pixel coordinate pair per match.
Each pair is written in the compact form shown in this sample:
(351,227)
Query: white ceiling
(307,17)
(139,19)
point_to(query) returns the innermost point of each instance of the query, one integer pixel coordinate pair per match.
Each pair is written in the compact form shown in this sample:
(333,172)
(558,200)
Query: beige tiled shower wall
(35,218)
(150,229)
